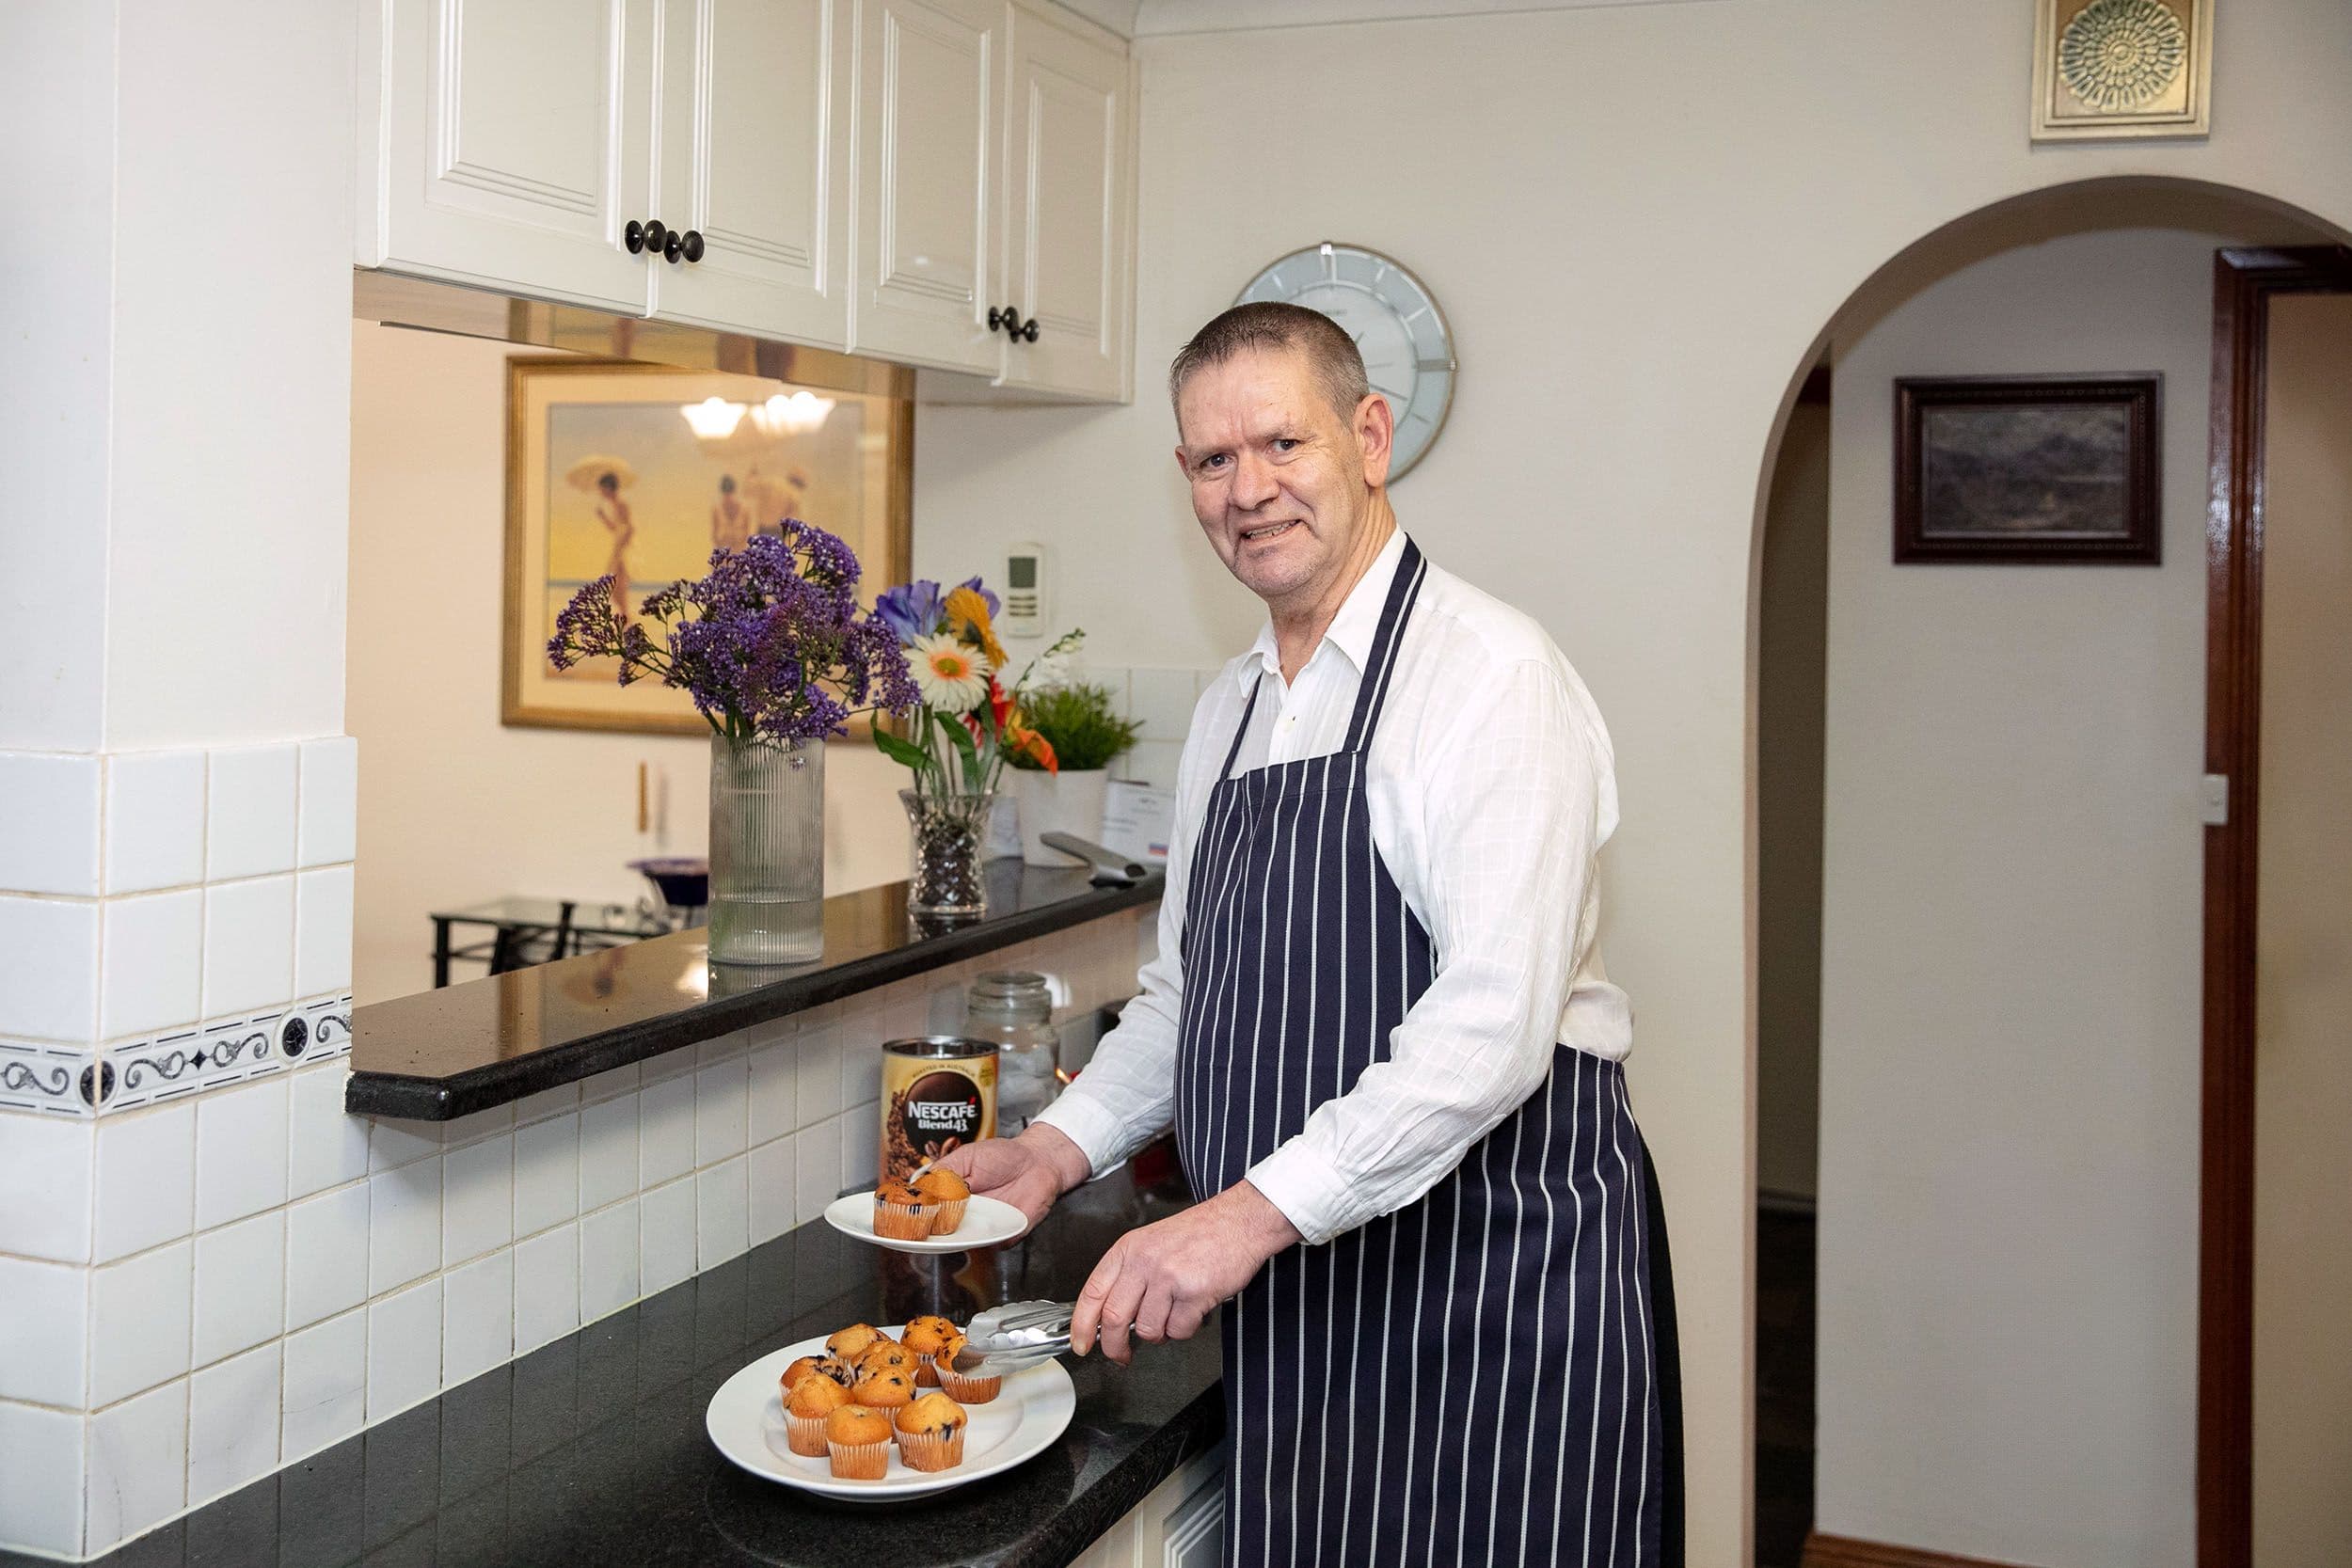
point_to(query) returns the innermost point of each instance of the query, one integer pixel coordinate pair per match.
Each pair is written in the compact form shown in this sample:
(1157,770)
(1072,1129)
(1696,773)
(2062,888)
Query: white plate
(986,1221)
(746,1421)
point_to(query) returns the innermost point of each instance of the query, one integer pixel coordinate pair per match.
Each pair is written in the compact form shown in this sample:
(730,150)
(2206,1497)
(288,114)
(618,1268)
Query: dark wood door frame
(2245,282)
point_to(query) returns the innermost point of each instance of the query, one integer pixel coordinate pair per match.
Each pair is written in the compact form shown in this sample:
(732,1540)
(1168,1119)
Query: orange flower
(1030,744)
(967,610)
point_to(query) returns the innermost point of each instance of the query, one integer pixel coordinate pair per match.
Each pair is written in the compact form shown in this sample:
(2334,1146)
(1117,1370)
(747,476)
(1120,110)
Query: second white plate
(987,1221)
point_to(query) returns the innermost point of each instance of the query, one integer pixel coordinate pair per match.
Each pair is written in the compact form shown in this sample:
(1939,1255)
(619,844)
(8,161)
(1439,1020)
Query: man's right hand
(1029,1172)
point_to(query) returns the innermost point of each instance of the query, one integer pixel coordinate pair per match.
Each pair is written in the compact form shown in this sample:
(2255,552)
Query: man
(1378,1027)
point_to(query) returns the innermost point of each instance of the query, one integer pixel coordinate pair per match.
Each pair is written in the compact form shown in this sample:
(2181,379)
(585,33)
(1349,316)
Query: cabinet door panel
(515,145)
(1069,201)
(754,144)
(927,136)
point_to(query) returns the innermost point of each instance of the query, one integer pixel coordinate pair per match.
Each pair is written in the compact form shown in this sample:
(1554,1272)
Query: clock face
(1408,349)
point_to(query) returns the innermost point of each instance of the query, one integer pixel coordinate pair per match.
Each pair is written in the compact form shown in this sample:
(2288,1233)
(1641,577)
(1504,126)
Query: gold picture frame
(2121,68)
(843,460)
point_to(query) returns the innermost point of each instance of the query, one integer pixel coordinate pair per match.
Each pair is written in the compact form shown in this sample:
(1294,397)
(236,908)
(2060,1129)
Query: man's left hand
(1161,1282)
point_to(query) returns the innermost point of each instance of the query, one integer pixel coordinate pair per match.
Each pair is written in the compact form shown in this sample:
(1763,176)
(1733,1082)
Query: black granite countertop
(591,1450)
(445,1053)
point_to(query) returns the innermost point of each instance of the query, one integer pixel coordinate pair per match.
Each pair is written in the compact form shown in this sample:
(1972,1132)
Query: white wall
(2012,905)
(455,808)
(2303,957)
(1640,221)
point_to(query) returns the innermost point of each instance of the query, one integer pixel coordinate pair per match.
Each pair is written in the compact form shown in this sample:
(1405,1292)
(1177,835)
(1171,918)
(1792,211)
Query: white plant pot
(1064,802)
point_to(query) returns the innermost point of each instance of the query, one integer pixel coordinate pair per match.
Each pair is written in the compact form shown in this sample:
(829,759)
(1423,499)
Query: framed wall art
(639,471)
(2121,67)
(2027,468)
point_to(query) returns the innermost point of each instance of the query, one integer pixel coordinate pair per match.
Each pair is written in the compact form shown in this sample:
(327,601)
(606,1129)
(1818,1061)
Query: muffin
(901,1212)
(924,1339)
(840,1368)
(888,1352)
(851,1343)
(956,1385)
(859,1441)
(805,1415)
(884,1387)
(807,1366)
(947,1191)
(931,1433)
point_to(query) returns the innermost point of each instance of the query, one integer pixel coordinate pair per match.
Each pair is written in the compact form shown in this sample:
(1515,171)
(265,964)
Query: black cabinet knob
(655,235)
(634,237)
(1004,318)
(693,248)
(673,246)
(1028,331)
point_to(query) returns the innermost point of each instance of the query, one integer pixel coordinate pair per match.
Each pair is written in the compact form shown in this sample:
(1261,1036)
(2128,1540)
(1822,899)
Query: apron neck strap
(1372,693)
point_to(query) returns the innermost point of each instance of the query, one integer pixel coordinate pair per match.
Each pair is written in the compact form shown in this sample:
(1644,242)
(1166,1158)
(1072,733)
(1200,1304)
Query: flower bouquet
(958,734)
(772,646)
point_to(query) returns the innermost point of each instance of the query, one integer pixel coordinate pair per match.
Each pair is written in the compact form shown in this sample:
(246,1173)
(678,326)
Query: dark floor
(1783,1385)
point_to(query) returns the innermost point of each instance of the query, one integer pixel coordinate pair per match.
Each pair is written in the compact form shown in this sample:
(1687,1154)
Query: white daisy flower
(953,679)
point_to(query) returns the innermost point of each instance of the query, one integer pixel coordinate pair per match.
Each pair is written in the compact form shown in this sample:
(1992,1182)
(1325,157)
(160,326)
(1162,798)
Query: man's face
(1280,483)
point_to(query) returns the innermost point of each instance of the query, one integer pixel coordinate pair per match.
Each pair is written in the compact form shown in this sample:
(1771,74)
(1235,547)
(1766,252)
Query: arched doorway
(2003,883)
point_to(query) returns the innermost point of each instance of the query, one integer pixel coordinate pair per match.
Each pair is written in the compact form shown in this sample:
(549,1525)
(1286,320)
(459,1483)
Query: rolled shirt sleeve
(1516,801)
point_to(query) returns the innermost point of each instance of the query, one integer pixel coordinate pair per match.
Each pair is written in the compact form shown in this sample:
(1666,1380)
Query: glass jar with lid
(1015,1009)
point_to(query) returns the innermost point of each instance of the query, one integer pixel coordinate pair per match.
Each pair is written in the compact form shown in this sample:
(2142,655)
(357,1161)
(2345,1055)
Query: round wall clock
(1407,348)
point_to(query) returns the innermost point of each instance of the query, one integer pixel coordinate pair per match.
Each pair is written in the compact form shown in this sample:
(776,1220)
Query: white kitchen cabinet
(505,144)
(928,126)
(1069,185)
(753,158)
(1180,1523)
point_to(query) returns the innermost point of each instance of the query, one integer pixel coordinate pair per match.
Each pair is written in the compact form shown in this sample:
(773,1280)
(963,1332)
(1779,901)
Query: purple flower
(912,609)
(986,598)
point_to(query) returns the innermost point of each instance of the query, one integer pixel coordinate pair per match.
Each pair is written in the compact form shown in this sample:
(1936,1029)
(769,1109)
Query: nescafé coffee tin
(938,1093)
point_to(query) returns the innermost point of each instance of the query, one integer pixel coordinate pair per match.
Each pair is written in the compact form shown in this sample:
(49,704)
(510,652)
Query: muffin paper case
(861,1460)
(932,1450)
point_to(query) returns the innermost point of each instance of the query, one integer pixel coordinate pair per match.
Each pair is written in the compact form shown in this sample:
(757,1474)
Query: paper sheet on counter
(1138,821)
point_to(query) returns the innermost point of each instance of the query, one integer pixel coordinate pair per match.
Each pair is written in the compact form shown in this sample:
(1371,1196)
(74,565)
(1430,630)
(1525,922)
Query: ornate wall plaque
(2121,67)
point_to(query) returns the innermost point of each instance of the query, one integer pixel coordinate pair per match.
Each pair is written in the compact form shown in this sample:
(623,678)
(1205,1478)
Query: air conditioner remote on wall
(1024,609)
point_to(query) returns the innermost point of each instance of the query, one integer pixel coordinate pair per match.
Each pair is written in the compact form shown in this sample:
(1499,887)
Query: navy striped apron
(1470,1379)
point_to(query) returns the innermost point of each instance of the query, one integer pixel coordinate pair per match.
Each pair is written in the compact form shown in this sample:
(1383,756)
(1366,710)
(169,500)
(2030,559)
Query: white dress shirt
(1490,791)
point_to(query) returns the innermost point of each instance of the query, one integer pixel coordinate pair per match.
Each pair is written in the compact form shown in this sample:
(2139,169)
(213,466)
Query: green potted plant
(1085,734)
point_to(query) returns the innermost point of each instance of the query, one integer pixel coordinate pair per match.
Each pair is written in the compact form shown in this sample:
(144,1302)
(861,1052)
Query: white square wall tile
(771,1210)
(323,931)
(331,794)
(608,1261)
(393,1142)
(665,1130)
(774,1092)
(46,1187)
(818,1055)
(665,1229)
(154,820)
(326,1146)
(861,1145)
(721,1101)
(861,1057)
(240,1286)
(721,1220)
(608,1151)
(41,1355)
(403,1224)
(546,1174)
(51,992)
(250,812)
(139,1320)
(477,1199)
(138,1467)
(817,1167)
(326,1384)
(248,946)
(404,1349)
(326,1254)
(1162,701)
(477,1317)
(546,1287)
(152,962)
(49,823)
(146,1178)
(41,1486)
(234,1423)
(241,1148)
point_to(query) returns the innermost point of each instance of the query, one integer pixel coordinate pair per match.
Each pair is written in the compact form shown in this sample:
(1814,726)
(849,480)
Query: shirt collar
(1357,623)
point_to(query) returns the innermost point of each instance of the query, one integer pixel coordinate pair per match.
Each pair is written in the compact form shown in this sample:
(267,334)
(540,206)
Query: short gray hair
(1331,354)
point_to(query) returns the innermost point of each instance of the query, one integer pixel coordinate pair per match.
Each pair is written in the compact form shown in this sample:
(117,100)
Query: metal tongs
(1019,1333)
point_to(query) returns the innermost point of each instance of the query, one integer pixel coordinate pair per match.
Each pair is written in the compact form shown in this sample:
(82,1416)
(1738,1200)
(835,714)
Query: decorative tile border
(325,1030)
(45,1078)
(228,1051)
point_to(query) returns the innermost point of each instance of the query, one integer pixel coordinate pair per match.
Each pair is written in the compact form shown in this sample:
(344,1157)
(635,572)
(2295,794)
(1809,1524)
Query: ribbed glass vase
(767,851)
(950,831)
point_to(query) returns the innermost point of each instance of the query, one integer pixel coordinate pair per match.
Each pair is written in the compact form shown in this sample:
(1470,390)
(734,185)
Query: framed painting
(639,472)
(2027,468)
